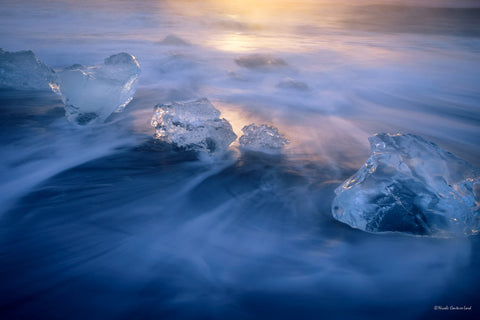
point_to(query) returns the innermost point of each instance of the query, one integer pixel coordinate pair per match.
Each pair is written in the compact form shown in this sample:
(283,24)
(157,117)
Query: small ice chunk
(410,185)
(263,138)
(91,94)
(173,40)
(22,70)
(289,83)
(260,61)
(193,125)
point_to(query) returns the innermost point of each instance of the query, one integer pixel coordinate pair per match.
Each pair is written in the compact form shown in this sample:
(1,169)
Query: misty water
(104,222)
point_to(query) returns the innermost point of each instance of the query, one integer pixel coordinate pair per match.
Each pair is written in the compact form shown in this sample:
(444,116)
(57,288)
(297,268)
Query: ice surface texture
(262,138)
(411,185)
(193,125)
(91,94)
(22,70)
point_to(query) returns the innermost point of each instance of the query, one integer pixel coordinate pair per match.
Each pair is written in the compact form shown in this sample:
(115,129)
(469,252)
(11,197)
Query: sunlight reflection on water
(131,228)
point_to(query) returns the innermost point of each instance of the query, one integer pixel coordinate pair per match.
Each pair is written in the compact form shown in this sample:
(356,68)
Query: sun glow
(242,26)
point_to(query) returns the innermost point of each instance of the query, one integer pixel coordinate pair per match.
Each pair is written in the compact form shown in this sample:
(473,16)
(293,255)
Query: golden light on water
(247,42)
(287,26)
(235,42)
(309,138)
(242,26)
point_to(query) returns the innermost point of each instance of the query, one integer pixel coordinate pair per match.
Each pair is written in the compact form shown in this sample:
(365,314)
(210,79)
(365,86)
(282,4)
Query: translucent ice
(411,185)
(22,70)
(193,125)
(262,138)
(92,94)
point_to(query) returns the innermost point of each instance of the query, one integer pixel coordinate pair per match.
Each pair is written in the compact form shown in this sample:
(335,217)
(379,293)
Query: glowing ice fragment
(263,138)
(91,94)
(193,125)
(411,185)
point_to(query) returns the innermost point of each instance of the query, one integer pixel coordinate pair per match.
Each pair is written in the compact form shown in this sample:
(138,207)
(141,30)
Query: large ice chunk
(91,94)
(411,185)
(193,125)
(22,70)
(263,138)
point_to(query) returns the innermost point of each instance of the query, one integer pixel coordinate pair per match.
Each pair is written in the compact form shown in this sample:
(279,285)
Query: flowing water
(102,222)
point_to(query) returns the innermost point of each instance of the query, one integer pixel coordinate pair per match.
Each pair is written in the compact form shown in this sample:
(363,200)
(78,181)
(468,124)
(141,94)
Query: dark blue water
(105,223)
